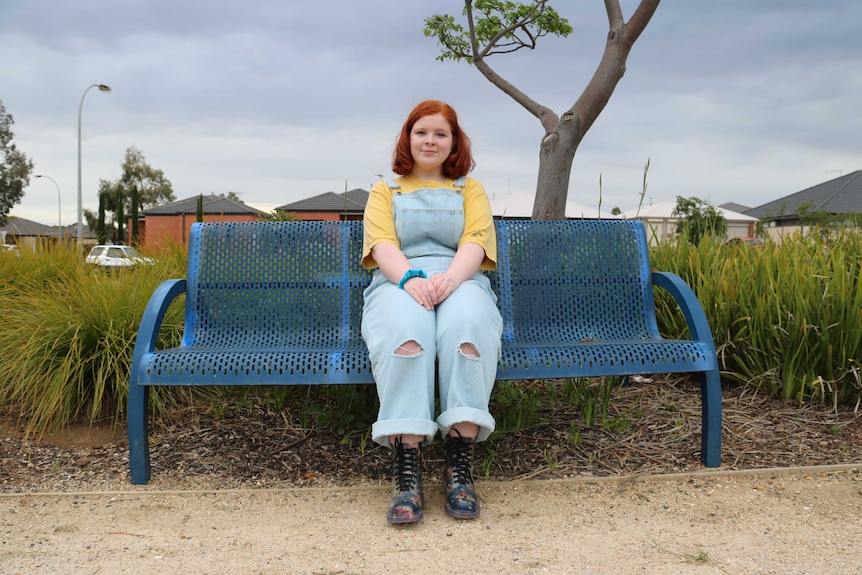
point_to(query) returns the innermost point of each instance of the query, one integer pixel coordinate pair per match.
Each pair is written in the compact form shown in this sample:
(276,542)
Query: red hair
(459,162)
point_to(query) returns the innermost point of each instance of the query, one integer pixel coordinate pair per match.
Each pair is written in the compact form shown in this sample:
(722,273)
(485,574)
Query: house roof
(843,195)
(520,205)
(350,202)
(664,210)
(21,227)
(734,207)
(212,204)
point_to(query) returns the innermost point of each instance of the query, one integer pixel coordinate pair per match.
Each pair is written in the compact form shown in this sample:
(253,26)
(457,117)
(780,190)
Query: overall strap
(460,184)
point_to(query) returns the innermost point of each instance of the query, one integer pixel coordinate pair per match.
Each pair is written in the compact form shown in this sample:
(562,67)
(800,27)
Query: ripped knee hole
(409,348)
(468,350)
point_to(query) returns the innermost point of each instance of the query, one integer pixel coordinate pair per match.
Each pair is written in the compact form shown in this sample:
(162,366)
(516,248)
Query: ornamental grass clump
(786,318)
(67,334)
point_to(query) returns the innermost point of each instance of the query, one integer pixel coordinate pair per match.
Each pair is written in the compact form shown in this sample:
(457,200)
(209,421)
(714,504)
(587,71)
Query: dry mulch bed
(652,428)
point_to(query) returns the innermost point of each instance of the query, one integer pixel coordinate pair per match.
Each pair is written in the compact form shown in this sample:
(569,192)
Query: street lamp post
(59,205)
(103,88)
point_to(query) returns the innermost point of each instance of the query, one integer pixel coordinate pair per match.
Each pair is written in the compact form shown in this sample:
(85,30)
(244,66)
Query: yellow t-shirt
(478,221)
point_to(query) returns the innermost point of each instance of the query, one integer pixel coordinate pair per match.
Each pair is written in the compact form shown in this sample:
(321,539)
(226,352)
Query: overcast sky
(730,100)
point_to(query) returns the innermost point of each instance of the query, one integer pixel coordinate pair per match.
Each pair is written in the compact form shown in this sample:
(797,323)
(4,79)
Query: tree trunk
(100,225)
(134,216)
(556,154)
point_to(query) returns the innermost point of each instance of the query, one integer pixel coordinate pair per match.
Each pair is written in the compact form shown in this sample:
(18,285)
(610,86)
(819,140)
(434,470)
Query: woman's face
(430,143)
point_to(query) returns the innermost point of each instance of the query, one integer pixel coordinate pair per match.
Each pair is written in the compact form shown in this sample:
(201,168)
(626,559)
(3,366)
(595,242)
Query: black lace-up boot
(461,499)
(407,501)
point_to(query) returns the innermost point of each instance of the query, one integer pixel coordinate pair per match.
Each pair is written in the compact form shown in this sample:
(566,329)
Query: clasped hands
(432,291)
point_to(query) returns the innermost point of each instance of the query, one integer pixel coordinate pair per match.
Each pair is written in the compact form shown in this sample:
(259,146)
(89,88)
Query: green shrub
(68,333)
(516,404)
(786,318)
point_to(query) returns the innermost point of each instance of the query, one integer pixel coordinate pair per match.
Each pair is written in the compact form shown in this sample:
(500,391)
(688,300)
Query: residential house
(839,196)
(29,234)
(329,206)
(172,222)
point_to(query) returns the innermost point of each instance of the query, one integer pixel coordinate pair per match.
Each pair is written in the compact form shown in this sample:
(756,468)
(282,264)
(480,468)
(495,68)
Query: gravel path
(781,522)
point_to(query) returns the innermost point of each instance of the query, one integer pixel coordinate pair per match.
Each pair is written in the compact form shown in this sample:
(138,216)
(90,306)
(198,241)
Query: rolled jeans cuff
(483,419)
(381,431)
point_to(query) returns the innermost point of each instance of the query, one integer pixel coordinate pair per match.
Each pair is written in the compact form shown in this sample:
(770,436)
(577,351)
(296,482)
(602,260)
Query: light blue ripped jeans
(429,224)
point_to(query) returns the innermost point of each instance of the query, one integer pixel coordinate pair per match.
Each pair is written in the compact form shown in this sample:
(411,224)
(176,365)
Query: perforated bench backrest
(267,285)
(574,281)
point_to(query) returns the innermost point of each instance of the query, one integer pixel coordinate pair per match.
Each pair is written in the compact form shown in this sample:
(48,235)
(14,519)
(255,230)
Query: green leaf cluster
(698,219)
(15,167)
(500,26)
(140,186)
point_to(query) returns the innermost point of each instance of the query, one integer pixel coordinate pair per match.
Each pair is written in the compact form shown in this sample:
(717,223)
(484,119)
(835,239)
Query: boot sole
(400,519)
(461,514)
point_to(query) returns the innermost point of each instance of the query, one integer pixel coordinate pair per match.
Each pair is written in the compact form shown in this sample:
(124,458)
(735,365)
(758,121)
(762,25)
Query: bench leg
(138,430)
(710,393)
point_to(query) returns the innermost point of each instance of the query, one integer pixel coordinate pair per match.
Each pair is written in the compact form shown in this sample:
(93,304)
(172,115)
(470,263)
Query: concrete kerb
(614,479)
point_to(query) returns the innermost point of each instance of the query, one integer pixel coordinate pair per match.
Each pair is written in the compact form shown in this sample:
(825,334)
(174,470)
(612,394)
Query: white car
(8,248)
(116,256)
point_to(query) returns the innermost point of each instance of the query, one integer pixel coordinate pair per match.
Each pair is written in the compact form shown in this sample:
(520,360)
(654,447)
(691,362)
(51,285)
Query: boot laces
(406,466)
(461,460)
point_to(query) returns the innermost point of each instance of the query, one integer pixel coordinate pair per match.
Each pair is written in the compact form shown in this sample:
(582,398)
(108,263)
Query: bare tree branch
(611,68)
(545,115)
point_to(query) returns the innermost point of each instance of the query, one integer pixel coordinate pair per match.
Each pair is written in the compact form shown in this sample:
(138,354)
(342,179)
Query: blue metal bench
(280,303)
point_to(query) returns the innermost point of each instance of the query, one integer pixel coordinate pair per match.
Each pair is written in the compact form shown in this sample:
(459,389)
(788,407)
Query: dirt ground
(772,522)
(246,493)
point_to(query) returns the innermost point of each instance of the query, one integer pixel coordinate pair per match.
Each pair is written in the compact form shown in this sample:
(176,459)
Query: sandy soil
(781,522)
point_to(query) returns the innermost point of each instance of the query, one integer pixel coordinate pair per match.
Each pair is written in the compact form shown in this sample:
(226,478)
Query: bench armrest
(154,314)
(695,318)
(138,396)
(710,386)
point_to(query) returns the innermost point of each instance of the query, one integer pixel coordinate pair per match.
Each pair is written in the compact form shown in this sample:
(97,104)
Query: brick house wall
(168,225)
(161,231)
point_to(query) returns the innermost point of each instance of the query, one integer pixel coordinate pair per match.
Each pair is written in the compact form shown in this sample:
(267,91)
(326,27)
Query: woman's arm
(393,265)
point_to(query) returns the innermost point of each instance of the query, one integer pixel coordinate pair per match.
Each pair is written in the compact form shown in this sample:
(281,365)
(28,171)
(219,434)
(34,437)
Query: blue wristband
(410,274)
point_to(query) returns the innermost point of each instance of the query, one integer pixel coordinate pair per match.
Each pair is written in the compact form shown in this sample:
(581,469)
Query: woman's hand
(422,291)
(444,286)
(429,292)
(464,266)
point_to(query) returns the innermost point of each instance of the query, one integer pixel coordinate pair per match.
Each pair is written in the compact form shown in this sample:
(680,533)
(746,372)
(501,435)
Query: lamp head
(104,88)
(38,176)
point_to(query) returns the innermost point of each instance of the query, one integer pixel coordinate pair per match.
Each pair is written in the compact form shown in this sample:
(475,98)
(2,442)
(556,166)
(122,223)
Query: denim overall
(429,223)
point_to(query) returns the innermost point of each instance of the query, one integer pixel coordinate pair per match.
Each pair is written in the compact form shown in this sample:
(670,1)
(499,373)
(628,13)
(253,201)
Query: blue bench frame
(279,303)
